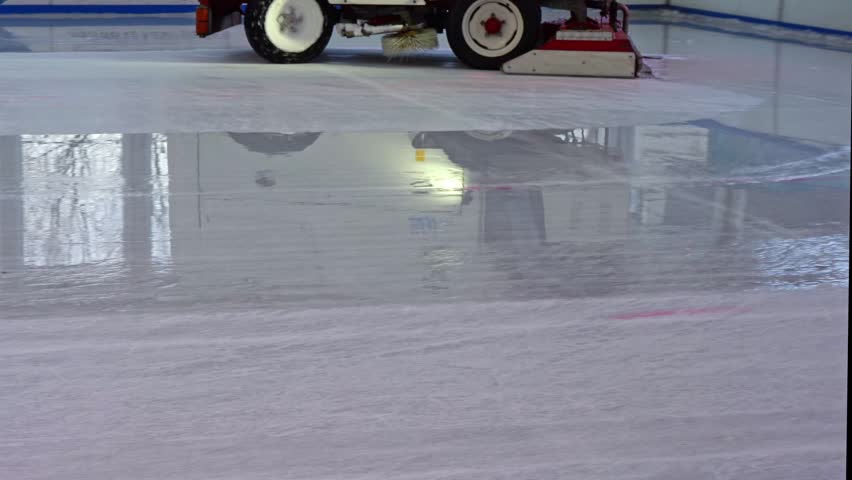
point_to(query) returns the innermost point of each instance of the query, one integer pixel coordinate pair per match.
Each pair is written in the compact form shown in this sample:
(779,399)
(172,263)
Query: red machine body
(594,49)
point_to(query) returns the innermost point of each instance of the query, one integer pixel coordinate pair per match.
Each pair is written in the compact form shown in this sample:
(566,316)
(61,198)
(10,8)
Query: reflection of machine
(522,156)
(551,204)
(515,177)
(484,34)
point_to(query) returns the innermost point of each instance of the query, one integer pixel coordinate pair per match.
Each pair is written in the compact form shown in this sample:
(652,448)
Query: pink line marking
(669,313)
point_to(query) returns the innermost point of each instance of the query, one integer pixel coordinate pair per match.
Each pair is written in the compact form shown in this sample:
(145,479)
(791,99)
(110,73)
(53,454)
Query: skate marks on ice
(745,385)
(198,91)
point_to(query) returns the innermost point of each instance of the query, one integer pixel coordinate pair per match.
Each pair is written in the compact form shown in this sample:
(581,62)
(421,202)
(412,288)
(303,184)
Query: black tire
(530,19)
(263,46)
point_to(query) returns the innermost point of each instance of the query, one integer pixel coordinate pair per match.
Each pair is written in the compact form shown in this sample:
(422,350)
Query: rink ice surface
(215,268)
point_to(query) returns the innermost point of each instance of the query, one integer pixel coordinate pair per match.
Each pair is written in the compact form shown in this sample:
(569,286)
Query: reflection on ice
(88,198)
(799,262)
(271,217)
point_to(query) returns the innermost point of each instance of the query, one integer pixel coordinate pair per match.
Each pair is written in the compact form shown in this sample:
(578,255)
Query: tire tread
(260,43)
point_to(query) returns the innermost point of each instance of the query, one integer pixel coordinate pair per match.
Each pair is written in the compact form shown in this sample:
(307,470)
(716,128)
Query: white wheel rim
(293,25)
(487,44)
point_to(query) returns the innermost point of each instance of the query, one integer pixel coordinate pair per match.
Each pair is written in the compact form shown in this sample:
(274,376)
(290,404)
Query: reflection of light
(805,262)
(75,197)
(72,198)
(582,136)
(161,235)
(436,173)
(450,183)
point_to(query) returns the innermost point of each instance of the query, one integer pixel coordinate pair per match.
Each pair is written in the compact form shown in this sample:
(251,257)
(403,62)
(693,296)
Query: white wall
(831,14)
(834,14)
(763,9)
(767,66)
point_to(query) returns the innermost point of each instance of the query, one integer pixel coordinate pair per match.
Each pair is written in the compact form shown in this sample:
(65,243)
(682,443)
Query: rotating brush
(409,42)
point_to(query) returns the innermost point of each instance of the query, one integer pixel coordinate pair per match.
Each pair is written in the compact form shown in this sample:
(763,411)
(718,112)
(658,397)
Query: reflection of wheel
(487,136)
(275,143)
(289,31)
(485,34)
